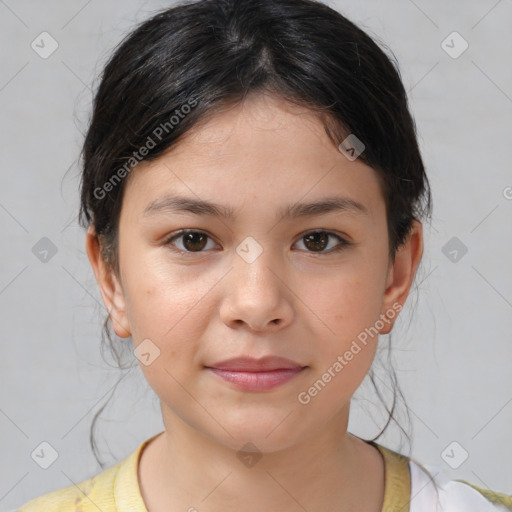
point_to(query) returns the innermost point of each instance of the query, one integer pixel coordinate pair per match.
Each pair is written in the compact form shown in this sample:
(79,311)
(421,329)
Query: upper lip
(250,364)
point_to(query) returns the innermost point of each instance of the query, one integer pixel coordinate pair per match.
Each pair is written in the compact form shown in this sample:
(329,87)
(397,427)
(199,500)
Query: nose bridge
(254,259)
(250,249)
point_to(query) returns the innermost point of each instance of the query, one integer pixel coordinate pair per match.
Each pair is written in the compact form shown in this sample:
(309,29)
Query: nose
(257,295)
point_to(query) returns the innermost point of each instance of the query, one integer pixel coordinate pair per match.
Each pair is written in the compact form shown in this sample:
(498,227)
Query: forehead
(265,150)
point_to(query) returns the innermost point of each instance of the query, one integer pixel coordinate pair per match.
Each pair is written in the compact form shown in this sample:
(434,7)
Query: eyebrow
(177,204)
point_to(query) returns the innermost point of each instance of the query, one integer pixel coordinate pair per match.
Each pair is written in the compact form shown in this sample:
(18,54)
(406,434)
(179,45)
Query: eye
(197,241)
(193,241)
(318,240)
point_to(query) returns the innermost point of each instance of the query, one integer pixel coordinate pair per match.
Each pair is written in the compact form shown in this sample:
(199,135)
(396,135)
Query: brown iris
(316,241)
(194,241)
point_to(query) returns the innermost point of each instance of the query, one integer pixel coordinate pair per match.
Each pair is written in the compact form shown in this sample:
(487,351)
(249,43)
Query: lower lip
(257,381)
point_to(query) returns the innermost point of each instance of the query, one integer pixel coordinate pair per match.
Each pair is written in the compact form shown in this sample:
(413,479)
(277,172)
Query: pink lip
(251,374)
(250,364)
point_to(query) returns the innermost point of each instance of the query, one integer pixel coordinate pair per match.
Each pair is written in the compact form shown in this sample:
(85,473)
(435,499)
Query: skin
(292,301)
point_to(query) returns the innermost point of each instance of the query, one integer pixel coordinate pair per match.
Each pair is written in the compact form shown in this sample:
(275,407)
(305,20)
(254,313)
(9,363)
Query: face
(274,278)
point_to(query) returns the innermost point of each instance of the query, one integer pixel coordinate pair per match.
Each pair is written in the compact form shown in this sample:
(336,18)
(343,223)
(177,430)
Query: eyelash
(342,245)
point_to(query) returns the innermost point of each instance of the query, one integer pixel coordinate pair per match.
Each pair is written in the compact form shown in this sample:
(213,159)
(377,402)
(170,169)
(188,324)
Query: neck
(183,469)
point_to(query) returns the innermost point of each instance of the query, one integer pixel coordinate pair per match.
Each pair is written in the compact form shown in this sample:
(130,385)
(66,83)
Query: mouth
(257,381)
(250,374)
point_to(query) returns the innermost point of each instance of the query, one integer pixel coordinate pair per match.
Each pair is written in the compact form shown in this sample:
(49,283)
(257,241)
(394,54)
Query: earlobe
(401,275)
(110,287)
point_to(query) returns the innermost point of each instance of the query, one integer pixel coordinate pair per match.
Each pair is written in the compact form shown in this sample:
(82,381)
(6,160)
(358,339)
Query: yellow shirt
(117,489)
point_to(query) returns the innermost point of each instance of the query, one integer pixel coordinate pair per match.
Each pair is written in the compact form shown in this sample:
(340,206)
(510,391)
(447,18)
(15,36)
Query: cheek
(346,352)
(173,318)
(173,310)
(161,301)
(350,306)
(351,301)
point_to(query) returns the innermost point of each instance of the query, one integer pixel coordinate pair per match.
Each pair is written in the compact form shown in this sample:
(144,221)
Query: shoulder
(116,488)
(93,494)
(433,491)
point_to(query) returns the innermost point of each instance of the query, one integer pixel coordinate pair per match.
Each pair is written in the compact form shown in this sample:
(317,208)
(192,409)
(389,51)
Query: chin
(268,433)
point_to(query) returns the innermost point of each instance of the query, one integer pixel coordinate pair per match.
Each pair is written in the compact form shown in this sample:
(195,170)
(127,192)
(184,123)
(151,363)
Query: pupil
(189,241)
(318,240)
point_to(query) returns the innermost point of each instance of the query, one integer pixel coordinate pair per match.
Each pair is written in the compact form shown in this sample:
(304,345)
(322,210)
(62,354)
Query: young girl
(253,192)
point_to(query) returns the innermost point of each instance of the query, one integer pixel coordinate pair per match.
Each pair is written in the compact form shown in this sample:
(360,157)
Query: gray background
(452,346)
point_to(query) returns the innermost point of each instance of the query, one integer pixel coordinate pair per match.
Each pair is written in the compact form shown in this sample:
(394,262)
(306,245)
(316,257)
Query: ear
(401,275)
(110,287)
